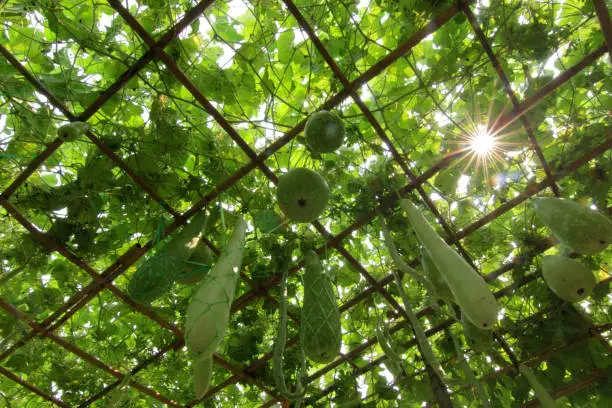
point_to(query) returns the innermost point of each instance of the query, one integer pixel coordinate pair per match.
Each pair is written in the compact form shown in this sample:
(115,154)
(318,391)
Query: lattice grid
(257,160)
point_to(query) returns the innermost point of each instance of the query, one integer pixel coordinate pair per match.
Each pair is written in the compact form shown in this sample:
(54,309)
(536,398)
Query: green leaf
(268,221)
(285,46)
(447,180)
(226,31)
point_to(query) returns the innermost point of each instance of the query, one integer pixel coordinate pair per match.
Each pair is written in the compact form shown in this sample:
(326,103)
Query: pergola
(350,85)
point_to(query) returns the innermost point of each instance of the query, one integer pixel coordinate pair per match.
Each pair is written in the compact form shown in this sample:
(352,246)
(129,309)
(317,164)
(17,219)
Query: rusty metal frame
(156,51)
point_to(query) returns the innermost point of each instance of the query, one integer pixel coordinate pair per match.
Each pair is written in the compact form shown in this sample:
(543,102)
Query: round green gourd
(197,266)
(478,339)
(568,278)
(580,228)
(302,194)
(112,141)
(72,131)
(320,332)
(324,132)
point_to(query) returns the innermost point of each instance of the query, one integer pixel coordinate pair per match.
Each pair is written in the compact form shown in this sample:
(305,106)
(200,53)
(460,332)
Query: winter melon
(568,278)
(579,228)
(157,274)
(72,131)
(320,332)
(302,194)
(197,266)
(324,132)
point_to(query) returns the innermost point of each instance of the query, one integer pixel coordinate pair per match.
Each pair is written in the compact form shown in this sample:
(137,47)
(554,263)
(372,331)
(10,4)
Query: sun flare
(482,142)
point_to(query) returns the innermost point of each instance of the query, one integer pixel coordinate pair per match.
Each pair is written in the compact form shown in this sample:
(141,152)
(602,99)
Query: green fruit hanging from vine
(197,266)
(478,339)
(324,132)
(320,332)
(72,131)
(470,291)
(568,278)
(433,275)
(156,275)
(302,194)
(579,228)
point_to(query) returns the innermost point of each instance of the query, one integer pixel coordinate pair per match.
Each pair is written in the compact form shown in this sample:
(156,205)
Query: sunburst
(481,142)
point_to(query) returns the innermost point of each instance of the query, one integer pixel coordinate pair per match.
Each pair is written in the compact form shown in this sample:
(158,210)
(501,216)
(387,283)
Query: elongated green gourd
(320,331)
(433,275)
(580,228)
(568,278)
(479,340)
(202,373)
(279,348)
(424,346)
(541,393)
(197,266)
(394,361)
(209,309)
(155,276)
(398,260)
(469,289)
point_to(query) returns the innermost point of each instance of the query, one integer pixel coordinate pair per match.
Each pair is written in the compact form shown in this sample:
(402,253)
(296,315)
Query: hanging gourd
(208,312)
(197,266)
(383,336)
(324,132)
(432,275)
(72,131)
(281,342)
(579,228)
(421,338)
(209,309)
(320,332)
(202,374)
(302,194)
(155,276)
(401,264)
(540,392)
(568,278)
(470,290)
(479,340)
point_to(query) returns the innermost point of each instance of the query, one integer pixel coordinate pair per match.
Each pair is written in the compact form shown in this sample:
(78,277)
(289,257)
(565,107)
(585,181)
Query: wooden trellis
(48,328)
